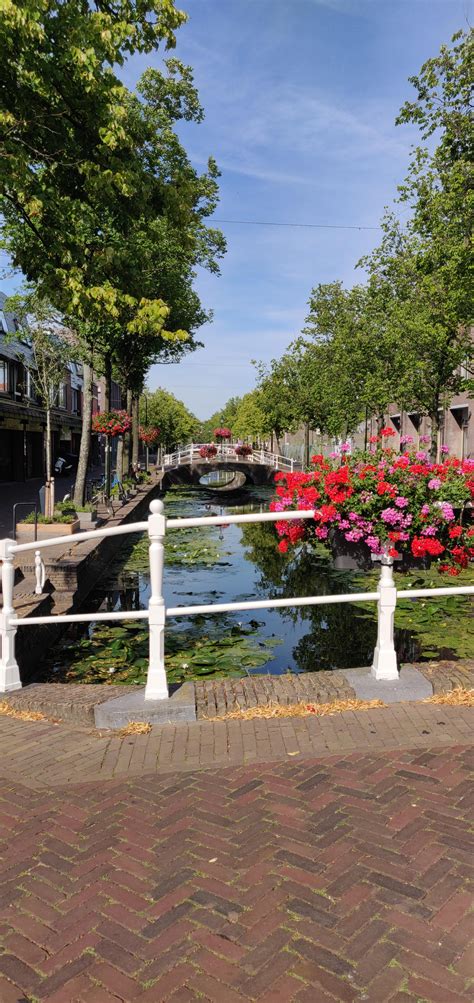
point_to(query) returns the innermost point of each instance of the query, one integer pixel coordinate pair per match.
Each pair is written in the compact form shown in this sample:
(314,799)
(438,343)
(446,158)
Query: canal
(235,563)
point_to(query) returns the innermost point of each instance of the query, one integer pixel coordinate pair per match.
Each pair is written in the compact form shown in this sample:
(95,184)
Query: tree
(275,399)
(102,208)
(52,351)
(176,423)
(250,420)
(429,340)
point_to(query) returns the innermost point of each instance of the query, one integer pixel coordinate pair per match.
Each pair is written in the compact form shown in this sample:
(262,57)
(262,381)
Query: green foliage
(177,424)
(104,212)
(250,420)
(59,516)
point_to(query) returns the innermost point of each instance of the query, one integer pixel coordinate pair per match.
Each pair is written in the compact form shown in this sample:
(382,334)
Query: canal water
(236,563)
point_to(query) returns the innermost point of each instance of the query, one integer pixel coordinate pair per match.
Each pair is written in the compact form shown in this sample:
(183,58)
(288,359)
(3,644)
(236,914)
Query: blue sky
(300,99)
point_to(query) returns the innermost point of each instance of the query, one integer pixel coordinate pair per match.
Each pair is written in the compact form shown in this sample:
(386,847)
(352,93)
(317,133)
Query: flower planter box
(349,556)
(25,532)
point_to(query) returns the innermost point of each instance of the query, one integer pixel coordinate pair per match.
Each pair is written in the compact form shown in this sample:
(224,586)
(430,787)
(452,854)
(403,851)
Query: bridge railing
(225,453)
(384,662)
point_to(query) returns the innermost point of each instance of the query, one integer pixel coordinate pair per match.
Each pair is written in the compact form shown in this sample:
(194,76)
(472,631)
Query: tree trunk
(278,442)
(84,449)
(107,401)
(135,439)
(434,450)
(47,500)
(127,442)
(306,445)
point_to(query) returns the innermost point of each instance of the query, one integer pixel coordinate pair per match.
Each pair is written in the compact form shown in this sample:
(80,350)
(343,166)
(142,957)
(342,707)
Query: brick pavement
(336,874)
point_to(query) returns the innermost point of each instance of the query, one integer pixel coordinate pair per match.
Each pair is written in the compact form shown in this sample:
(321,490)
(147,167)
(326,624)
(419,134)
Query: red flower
(387,432)
(283,546)
(455,531)
(454,571)
(393,553)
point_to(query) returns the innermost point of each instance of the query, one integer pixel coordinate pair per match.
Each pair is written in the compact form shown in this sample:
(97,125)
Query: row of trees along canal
(404,335)
(102,210)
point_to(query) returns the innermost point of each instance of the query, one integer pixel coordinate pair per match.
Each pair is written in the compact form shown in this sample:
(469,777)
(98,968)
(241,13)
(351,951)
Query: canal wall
(72,573)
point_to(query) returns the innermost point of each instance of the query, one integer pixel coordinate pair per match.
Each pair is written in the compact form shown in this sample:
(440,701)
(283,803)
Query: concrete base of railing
(181,706)
(410,685)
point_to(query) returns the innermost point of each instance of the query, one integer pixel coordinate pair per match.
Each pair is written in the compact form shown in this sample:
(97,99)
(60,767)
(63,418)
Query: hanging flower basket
(207,452)
(243,450)
(111,423)
(381,501)
(222,433)
(148,434)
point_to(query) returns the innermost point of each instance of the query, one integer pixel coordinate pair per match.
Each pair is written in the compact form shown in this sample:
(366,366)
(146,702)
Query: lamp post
(146,426)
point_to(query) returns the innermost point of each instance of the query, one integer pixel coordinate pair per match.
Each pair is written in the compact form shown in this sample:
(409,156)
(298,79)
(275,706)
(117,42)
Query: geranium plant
(243,450)
(388,502)
(148,434)
(207,452)
(222,433)
(111,423)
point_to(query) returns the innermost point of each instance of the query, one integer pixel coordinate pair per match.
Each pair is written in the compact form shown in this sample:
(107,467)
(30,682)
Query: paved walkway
(312,860)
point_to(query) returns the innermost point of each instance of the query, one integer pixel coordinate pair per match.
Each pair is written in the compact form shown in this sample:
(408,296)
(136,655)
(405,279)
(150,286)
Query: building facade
(456,431)
(22,418)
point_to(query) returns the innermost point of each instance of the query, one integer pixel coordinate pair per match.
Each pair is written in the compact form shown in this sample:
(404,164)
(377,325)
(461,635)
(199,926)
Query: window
(76,401)
(62,396)
(3,376)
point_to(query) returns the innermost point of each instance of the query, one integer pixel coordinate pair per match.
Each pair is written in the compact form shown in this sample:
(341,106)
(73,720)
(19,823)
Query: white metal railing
(227,453)
(384,665)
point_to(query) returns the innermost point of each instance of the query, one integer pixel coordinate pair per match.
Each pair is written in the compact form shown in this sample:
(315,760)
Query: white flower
(111,670)
(185,665)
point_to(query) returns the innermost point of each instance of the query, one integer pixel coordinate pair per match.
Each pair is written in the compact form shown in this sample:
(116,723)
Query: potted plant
(379,502)
(64,522)
(243,450)
(111,423)
(208,452)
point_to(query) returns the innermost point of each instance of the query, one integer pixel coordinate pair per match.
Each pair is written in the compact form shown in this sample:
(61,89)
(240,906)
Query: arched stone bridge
(187,466)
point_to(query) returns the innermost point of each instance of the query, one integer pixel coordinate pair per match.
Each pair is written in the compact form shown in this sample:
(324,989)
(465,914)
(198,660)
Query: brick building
(22,419)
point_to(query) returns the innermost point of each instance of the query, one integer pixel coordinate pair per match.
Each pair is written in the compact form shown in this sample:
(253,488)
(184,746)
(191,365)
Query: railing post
(40,573)
(9,670)
(385,659)
(156,684)
(292,464)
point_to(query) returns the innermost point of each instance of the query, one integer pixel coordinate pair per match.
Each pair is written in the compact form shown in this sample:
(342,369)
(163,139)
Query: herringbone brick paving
(308,879)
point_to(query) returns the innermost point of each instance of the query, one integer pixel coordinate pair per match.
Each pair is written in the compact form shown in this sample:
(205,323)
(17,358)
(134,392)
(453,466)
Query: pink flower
(425,439)
(321,532)
(421,455)
(445,449)
(401,502)
(434,483)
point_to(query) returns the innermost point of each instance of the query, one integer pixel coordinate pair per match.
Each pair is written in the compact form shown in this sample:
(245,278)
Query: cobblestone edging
(75,702)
